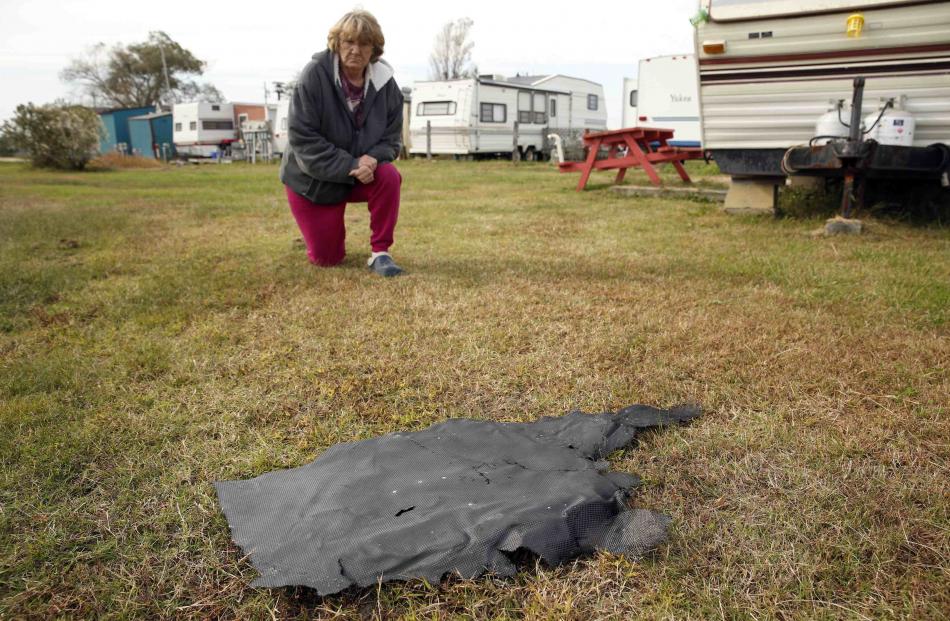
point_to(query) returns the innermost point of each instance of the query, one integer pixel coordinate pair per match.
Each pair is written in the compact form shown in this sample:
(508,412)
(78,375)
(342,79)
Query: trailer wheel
(530,154)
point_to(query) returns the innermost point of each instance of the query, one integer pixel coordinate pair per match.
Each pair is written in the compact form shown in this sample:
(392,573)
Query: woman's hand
(363,173)
(368,160)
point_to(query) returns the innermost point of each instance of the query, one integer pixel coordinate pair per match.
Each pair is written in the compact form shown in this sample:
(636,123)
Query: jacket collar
(377,73)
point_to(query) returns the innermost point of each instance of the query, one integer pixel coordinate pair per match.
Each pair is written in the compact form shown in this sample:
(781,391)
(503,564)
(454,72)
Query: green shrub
(7,147)
(55,135)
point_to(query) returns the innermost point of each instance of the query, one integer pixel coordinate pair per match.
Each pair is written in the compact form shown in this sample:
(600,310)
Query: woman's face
(353,54)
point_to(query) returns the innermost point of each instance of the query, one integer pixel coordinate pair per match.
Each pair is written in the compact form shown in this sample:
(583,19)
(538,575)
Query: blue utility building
(116,125)
(151,135)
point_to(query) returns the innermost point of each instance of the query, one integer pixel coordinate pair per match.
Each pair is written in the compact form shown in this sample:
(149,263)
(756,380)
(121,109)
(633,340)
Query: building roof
(526,79)
(102,111)
(545,78)
(526,82)
(538,80)
(151,115)
(519,85)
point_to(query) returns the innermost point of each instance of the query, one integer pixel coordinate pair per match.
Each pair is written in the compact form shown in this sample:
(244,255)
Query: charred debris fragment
(462,496)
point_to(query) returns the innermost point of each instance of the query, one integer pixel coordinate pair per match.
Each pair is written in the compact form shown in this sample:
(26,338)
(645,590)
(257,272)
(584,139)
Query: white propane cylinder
(896,127)
(831,124)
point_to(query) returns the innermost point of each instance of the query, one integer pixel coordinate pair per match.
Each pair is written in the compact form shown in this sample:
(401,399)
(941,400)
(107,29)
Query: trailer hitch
(851,153)
(855,159)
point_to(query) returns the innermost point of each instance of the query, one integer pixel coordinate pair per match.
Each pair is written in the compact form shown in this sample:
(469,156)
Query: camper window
(633,99)
(217,125)
(177,127)
(524,101)
(493,113)
(531,108)
(193,125)
(531,117)
(435,108)
(538,102)
(592,102)
(554,107)
(215,107)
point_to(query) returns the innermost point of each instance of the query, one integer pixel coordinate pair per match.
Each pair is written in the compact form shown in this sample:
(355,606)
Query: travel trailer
(202,128)
(665,94)
(771,71)
(476,116)
(280,125)
(630,100)
(406,119)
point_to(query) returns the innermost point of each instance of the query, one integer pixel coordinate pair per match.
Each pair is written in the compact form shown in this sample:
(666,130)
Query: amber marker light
(714,47)
(855,25)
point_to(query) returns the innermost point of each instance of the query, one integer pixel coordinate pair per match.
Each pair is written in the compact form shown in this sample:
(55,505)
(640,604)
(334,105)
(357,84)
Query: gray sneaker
(385,266)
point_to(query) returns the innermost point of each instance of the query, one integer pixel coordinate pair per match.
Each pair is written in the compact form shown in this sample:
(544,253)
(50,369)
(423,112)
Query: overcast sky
(248,44)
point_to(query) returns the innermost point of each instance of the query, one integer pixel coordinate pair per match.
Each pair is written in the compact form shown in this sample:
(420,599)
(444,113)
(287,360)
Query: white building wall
(582,117)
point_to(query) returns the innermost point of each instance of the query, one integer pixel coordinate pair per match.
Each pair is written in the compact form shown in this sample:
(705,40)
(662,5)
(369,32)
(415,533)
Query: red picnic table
(645,146)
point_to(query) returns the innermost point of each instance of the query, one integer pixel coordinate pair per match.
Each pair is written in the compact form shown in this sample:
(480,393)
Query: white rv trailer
(630,97)
(476,115)
(280,125)
(202,128)
(770,70)
(667,95)
(406,118)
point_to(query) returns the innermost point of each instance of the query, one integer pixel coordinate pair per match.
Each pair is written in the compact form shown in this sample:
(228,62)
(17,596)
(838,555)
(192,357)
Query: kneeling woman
(344,127)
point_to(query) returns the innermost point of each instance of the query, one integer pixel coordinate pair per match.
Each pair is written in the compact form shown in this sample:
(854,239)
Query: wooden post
(428,140)
(515,154)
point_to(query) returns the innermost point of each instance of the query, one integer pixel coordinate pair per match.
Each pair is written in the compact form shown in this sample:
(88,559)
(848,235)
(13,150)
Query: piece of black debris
(459,497)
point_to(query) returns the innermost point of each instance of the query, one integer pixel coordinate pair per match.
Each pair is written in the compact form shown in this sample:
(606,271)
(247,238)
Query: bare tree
(452,53)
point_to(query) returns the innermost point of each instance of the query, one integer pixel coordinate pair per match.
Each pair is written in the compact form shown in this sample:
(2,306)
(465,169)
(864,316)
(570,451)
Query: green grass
(161,329)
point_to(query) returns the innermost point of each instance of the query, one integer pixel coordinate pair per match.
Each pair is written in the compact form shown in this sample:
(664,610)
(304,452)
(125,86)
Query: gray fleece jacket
(324,142)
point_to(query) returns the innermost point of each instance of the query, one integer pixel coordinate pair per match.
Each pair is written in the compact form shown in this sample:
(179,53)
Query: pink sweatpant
(322,226)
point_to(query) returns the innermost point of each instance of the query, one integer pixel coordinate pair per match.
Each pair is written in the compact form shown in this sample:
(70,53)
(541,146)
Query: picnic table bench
(644,147)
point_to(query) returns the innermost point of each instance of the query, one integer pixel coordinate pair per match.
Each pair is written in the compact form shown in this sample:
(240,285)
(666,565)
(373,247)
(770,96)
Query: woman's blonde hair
(360,26)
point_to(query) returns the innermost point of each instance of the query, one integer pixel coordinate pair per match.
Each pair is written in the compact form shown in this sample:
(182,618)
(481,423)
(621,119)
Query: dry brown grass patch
(117,161)
(161,332)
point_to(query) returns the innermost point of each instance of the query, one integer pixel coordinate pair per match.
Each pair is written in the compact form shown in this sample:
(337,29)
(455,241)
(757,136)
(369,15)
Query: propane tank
(831,124)
(896,125)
